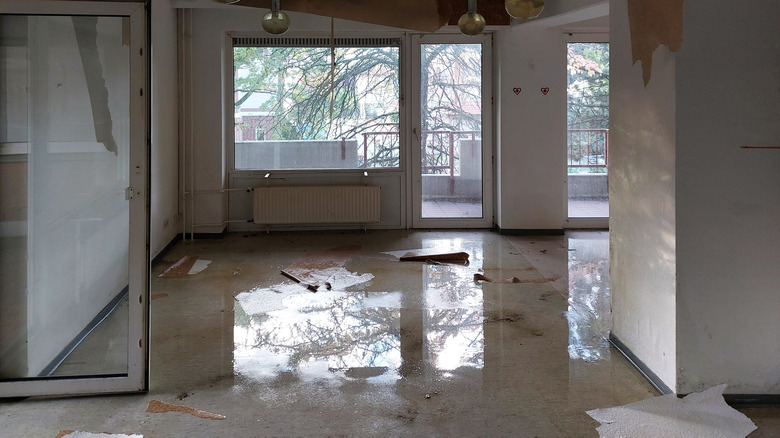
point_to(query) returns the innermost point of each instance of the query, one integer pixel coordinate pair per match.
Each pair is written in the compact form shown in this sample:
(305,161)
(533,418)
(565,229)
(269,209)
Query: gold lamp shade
(471,23)
(524,9)
(276,22)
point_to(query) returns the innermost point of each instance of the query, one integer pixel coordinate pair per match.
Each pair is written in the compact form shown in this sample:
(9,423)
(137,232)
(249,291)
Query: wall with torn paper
(728,198)
(694,213)
(642,202)
(164,223)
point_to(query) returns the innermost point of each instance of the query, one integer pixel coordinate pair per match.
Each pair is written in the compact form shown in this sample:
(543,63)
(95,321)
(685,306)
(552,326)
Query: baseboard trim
(206,235)
(659,385)
(102,315)
(530,231)
(763,400)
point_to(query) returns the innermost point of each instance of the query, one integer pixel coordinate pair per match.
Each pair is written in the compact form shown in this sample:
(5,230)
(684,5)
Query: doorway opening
(587,137)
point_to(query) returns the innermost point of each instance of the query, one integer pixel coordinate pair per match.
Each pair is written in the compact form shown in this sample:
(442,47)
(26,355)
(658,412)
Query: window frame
(400,40)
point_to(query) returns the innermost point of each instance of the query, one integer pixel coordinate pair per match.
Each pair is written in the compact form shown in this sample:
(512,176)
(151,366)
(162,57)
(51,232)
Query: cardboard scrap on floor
(314,270)
(79,434)
(430,255)
(481,278)
(158,407)
(187,265)
(703,414)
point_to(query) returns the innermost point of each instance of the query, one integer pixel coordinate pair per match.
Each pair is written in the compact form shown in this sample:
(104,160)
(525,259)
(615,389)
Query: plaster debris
(703,414)
(264,300)
(158,407)
(79,434)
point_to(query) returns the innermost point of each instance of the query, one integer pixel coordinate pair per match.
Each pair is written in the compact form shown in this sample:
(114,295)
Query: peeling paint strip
(158,407)
(653,23)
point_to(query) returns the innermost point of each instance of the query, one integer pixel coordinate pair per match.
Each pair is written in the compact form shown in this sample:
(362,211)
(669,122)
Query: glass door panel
(67,147)
(587,136)
(453,175)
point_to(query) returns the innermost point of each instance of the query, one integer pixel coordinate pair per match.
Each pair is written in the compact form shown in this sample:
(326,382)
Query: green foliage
(588,85)
(310,100)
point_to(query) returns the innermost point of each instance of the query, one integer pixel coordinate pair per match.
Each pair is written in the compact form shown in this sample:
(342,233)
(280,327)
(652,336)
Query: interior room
(369,218)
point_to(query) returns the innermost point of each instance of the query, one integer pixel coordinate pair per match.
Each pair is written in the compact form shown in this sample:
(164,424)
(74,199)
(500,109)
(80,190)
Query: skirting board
(656,381)
(531,231)
(731,399)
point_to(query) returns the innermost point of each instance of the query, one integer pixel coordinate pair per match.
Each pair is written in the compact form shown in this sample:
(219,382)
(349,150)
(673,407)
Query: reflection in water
(589,298)
(286,329)
(330,331)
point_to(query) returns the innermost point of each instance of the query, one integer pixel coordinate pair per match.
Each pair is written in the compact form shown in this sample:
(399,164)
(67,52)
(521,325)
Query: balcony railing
(440,155)
(588,149)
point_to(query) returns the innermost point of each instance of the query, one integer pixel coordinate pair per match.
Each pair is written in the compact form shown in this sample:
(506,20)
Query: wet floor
(387,348)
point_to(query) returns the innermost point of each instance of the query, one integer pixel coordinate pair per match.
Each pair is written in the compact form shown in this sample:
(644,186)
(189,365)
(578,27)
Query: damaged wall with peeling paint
(642,201)
(165,138)
(693,215)
(728,198)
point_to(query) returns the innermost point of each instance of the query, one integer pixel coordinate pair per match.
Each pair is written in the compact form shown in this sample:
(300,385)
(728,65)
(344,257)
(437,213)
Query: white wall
(531,140)
(642,202)
(165,139)
(728,198)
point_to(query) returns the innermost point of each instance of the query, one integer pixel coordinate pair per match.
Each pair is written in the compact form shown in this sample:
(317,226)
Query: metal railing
(588,148)
(440,152)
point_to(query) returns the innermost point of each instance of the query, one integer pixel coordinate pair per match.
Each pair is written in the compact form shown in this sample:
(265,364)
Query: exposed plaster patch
(654,23)
(698,414)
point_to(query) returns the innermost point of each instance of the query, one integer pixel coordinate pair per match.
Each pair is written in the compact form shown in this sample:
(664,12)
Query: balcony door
(73,204)
(587,136)
(451,132)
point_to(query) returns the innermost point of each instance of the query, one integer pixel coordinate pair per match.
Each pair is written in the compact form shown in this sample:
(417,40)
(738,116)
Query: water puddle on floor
(353,332)
(589,314)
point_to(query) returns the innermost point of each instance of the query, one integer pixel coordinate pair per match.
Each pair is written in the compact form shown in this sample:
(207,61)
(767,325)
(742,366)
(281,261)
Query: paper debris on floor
(199,266)
(446,255)
(314,270)
(187,265)
(158,407)
(701,414)
(79,434)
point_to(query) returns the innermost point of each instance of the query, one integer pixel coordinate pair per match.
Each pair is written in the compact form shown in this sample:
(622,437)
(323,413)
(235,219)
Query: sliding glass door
(73,233)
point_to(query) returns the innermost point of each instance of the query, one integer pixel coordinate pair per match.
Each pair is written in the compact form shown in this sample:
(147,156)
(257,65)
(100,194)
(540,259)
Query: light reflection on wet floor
(357,331)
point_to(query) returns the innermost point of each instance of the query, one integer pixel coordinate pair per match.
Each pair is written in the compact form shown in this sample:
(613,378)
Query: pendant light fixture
(524,9)
(471,23)
(276,22)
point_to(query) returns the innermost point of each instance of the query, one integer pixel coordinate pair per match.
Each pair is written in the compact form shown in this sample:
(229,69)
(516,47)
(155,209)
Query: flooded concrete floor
(392,349)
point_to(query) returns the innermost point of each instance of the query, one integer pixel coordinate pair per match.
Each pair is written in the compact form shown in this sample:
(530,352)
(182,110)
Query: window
(319,103)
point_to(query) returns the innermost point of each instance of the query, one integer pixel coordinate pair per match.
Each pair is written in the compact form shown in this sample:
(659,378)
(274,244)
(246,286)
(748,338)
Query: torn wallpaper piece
(701,414)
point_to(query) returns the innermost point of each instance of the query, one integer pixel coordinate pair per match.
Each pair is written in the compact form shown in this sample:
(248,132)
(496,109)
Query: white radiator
(316,204)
